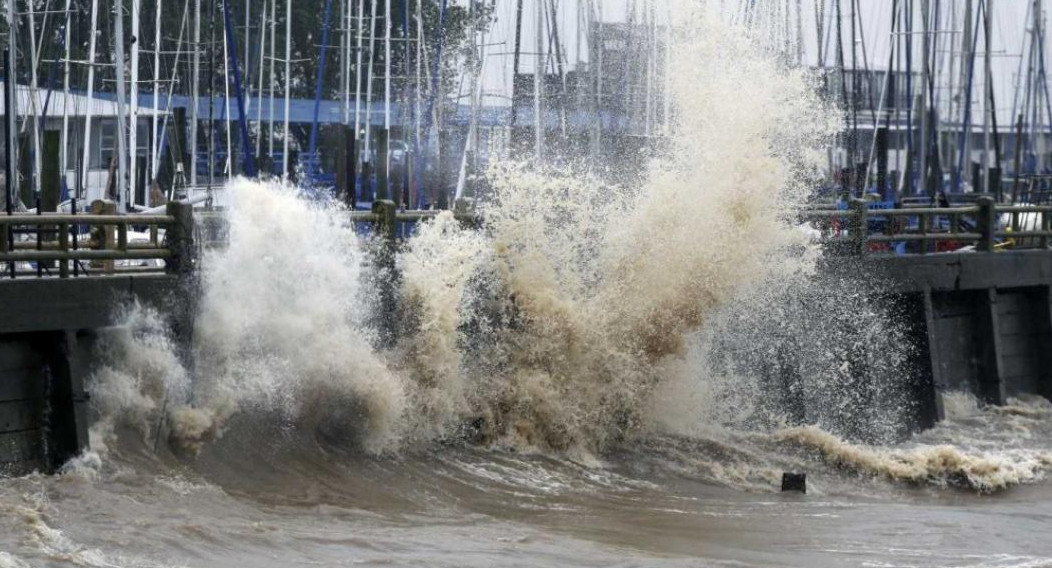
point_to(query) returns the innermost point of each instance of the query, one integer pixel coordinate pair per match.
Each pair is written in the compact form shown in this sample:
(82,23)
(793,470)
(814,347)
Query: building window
(107,143)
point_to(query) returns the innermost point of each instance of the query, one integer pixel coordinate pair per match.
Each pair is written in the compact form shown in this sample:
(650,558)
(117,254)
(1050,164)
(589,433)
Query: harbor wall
(47,335)
(980,323)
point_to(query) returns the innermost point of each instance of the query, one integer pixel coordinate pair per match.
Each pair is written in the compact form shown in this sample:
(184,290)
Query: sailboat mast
(273,62)
(345,62)
(515,63)
(155,154)
(288,93)
(987,93)
(667,68)
(358,71)
(64,136)
(387,66)
(922,180)
(133,131)
(369,85)
(9,84)
(538,72)
(35,86)
(262,75)
(195,93)
(122,149)
(91,93)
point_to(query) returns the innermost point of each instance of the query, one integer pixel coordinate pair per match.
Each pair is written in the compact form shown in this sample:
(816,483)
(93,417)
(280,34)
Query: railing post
(179,238)
(63,245)
(386,225)
(1043,241)
(385,261)
(464,212)
(859,226)
(986,223)
(102,236)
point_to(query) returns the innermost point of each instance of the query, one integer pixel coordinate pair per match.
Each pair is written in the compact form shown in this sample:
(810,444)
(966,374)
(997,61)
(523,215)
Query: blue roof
(301,111)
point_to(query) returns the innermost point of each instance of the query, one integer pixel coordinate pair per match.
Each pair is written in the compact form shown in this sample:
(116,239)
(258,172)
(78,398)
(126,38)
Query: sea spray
(280,326)
(553,325)
(588,292)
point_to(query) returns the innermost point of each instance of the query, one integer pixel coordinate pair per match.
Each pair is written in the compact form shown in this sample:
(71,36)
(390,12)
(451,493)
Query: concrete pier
(979,322)
(986,320)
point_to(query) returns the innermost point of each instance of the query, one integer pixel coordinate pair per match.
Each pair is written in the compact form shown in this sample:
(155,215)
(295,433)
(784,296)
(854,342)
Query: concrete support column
(991,384)
(931,360)
(1046,315)
(68,419)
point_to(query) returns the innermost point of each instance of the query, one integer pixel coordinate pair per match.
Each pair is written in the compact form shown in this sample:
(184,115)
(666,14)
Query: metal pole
(91,93)
(63,159)
(988,16)
(155,157)
(288,87)
(10,125)
(122,148)
(34,87)
(314,161)
(133,131)
(387,67)
(273,63)
(922,179)
(262,75)
(366,151)
(246,144)
(538,72)
(195,93)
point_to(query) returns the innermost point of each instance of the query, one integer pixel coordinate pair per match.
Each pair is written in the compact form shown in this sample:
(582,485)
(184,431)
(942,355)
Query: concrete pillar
(932,359)
(68,419)
(991,385)
(1046,315)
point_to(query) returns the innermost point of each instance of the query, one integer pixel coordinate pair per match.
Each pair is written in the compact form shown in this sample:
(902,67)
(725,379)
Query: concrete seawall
(47,332)
(981,322)
(978,322)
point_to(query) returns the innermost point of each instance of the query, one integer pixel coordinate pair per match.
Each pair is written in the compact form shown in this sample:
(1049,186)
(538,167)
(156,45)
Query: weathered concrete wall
(76,303)
(46,340)
(982,322)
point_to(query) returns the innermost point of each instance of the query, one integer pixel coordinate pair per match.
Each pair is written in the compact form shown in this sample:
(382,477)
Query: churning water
(584,380)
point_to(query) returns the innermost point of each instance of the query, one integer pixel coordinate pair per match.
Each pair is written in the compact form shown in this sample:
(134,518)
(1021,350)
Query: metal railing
(920,230)
(54,244)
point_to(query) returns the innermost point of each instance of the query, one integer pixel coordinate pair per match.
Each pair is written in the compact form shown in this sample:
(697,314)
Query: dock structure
(980,319)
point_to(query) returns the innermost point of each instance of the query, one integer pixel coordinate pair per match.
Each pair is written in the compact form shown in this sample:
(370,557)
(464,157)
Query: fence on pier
(986,225)
(57,245)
